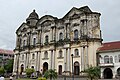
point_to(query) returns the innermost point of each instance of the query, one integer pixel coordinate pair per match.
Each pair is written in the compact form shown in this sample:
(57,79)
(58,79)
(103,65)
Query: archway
(60,70)
(45,67)
(108,73)
(22,68)
(32,67)
(118,71)
(76,68)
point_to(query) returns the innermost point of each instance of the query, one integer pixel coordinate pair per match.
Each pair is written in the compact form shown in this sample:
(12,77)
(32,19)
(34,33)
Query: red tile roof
(3,51)
(110,46)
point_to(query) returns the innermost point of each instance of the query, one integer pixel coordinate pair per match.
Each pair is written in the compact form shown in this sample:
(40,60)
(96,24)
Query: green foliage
(50,74)
(93,72)
(9,66)
(2,70)
(41,78)
(29,71)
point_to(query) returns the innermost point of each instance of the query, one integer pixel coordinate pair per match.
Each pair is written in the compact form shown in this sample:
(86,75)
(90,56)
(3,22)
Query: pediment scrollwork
(75,16)
(25,35)
(47,23)
(61,27)
(75,24)
(34,32)
(46,30)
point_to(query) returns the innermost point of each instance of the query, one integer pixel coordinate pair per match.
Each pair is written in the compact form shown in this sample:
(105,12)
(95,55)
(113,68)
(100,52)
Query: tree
(9,66)
(93,72)
(50,74)
(2,70)
(29,71)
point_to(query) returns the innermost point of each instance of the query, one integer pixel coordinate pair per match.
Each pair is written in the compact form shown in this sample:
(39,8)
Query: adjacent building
(48,42)
(5,55)
(109,59)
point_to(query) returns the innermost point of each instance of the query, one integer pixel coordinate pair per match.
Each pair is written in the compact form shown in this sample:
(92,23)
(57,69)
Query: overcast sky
(14,12)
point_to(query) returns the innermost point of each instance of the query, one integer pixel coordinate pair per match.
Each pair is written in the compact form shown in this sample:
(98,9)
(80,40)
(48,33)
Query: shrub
(29,71)
(2,70)
(41,78)
(93,72)
(51,74)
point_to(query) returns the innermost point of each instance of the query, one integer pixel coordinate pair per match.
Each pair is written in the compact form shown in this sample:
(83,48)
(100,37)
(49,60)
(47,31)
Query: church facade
(49,42)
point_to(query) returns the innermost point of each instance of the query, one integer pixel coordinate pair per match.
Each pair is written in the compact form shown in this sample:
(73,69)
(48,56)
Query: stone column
(15,63)
(28,55)
(52,33)
(25,60)
(68,59)
(39,57)
(17,41)
(82,58)
(37,61)
(64,59)
(51,59)
(87,62)
(85,58)
(38,37)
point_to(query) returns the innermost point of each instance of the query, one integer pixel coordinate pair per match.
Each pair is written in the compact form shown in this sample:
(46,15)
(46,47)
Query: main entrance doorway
(60,70)
(76,68)
(45,67)
(22,68)
(108,73)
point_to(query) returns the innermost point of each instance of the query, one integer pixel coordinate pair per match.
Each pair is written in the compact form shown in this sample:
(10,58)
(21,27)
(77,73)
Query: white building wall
(116,64)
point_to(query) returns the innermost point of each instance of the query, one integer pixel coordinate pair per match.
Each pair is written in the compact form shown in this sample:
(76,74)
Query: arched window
(61,36)
(32,67)
(76,34)
(106,59)
(118,71)
(20,41)
(33,56)
(22,69)
(60,53)
(24,43)
(46,54)
(116,59)
(76,52)
(34,41)
(111,59)
(46,39)
(119,58)
(23,57)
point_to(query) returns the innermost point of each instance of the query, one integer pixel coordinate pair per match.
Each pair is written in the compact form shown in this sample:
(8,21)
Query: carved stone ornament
(61,27)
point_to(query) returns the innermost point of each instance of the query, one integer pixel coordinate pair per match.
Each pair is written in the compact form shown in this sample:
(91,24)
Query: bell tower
(32,19)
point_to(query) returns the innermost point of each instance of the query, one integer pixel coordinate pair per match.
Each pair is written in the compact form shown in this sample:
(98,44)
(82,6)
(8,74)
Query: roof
(3,51)
(110,46)
(33,15)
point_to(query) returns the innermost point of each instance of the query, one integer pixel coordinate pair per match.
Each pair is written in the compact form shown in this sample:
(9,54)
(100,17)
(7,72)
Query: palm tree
(93,72)
(50,74)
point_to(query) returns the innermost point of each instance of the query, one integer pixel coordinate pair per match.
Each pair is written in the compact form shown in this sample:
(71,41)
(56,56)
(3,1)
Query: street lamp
(72,68)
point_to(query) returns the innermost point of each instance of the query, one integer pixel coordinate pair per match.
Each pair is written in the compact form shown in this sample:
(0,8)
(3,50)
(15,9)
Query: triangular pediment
(46,18)
(22,28)
(76,11)
(85,9)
